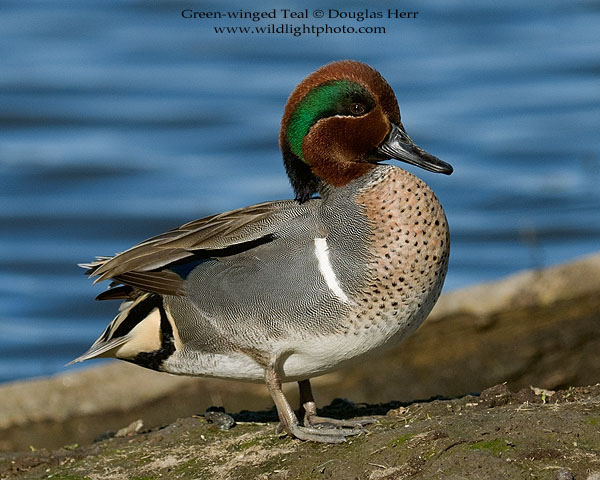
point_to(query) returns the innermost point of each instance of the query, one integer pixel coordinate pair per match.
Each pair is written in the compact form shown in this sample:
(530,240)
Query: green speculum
(326,100)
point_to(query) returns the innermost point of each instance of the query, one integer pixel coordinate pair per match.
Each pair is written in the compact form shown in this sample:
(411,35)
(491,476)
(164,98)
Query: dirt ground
(531,434)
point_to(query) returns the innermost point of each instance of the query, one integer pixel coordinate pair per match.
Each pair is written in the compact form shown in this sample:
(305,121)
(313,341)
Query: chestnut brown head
(339,122)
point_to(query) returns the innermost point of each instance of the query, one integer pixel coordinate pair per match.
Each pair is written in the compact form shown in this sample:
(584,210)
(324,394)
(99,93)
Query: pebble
(218,416)
(563,474)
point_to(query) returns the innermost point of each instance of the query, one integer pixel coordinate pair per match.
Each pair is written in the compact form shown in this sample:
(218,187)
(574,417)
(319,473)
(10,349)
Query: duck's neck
(321,177)
(351,188)
(304,182)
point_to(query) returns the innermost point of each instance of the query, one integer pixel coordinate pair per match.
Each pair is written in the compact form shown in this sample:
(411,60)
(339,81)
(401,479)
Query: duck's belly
(231,365)
(299,359)
(326,354)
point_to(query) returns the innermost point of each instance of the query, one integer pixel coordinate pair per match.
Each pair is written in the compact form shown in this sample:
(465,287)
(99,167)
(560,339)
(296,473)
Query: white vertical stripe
(322,253)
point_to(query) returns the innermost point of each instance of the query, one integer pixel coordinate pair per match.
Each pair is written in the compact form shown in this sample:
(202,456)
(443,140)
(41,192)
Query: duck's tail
(141,326)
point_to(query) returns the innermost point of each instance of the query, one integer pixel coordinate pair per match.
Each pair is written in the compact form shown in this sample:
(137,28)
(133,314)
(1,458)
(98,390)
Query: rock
(130,429)
(563,474)
(217,416)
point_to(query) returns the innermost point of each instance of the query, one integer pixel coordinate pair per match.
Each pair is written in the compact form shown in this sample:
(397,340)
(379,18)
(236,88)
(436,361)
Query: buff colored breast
(410,242)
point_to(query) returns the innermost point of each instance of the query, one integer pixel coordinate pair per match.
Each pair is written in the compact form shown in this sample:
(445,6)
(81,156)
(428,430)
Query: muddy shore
(537,328)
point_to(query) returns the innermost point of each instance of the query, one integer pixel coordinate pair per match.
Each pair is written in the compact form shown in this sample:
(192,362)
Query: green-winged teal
(288,290)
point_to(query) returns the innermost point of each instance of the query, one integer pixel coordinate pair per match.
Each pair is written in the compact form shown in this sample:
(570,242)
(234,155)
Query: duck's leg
(308,410)
(289,421)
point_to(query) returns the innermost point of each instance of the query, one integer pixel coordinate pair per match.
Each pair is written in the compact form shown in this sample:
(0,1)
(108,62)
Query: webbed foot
(315,429)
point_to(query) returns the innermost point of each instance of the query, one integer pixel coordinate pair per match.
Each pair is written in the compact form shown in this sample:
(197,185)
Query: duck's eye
(357,109)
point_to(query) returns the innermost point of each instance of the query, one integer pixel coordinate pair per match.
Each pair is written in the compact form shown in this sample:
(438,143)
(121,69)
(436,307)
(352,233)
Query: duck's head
(338,123)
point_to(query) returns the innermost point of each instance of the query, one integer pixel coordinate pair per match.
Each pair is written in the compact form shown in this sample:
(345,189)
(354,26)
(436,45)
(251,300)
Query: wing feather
(145,266)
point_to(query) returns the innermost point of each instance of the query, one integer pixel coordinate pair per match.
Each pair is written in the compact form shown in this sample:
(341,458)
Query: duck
(285,291)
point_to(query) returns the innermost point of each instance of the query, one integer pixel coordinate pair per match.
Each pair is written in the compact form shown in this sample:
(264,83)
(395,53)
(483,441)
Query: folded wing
(161,263)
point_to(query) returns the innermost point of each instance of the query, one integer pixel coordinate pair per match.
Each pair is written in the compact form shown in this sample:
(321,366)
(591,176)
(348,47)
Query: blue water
(120,120)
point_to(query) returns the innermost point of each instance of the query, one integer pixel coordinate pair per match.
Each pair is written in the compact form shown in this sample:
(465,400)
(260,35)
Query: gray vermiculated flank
(276,290)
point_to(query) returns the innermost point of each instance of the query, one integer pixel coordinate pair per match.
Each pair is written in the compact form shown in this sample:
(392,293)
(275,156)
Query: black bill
(399,146)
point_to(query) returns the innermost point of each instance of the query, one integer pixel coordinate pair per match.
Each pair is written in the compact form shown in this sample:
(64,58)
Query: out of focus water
(122,119)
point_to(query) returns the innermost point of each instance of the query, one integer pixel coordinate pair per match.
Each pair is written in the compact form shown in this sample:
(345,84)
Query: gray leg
(308,411)
(288,419)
